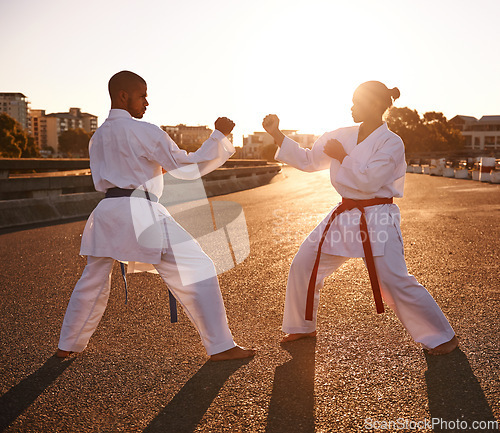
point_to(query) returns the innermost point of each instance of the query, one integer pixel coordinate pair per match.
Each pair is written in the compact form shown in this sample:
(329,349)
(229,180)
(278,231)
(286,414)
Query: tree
(75,143)
(31,150)
(432,132)
(14,141)
(441,134)
(408,125)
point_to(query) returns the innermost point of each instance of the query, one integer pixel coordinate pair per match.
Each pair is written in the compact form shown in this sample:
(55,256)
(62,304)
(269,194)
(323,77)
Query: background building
(482,134)
(16,105)
(46,128)
(189,137)
(254,144)
(39,128)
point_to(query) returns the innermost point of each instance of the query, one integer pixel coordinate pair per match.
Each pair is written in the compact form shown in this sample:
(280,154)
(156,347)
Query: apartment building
(254,144)
(189,136)
(46,128)
(16,105)
(482,134)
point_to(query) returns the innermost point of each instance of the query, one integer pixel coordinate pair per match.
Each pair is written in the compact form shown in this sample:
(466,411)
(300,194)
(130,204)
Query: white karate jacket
(376,167)
(128,153)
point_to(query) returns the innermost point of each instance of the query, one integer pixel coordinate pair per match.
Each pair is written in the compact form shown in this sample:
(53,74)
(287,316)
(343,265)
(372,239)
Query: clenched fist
(271,123)
(334,149)
(224,125)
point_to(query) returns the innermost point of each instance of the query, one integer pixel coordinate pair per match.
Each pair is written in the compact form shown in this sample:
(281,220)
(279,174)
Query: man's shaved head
(124,80)
(128,92)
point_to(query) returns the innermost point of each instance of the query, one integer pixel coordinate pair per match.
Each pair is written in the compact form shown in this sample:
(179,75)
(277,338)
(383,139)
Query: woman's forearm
(278,137)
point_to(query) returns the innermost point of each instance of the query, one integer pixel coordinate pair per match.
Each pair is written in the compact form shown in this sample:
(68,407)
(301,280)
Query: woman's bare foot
(63,353)
(293,337)
(236,352)
(444,348)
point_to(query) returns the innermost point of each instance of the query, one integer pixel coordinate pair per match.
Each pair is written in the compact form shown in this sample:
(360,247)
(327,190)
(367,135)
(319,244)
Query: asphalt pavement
(140,373)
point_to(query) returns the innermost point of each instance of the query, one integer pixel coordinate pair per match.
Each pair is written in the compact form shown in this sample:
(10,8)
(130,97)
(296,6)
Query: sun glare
(300,60)
(307,72)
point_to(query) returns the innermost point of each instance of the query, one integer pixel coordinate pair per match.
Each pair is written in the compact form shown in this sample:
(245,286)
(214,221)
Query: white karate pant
(201,301)
(411,302)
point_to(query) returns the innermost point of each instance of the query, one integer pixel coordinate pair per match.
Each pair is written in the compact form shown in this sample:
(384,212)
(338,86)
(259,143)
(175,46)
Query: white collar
(380,130)
(115,113)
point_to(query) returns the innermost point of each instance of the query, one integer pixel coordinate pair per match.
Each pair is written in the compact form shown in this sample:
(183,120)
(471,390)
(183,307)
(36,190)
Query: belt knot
(345,205)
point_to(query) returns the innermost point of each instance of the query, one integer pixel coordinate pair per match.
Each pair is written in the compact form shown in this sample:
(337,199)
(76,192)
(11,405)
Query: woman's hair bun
(394,93)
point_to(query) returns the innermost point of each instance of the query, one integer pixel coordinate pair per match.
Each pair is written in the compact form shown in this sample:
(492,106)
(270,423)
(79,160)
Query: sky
(244,59)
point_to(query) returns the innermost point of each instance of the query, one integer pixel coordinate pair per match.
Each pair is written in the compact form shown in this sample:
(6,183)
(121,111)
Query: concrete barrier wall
(34,187)
(30,200)
(8,165)
(15,213)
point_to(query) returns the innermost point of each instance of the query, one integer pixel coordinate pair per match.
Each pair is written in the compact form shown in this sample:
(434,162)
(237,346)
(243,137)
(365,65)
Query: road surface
(141,373)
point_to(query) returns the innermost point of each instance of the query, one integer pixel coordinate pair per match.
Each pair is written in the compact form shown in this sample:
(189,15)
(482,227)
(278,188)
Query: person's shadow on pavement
(186,409)
(292,401)
(17,399)
(454,392)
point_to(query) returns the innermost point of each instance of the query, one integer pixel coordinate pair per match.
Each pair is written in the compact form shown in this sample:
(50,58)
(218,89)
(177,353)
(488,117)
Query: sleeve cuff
(344,171)
(285,150)
(226,143)
(217,135)
(346,162)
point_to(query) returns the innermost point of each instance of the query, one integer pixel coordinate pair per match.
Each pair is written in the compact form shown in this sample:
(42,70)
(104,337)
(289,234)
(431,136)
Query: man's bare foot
(236,352)
(444,348)
(293,337)
(63,353)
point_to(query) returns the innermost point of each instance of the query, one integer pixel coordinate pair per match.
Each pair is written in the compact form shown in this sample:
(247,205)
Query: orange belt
(349,204)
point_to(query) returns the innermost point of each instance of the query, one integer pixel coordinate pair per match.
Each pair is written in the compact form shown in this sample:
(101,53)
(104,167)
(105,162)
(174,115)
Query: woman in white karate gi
(367,168)
(126,159)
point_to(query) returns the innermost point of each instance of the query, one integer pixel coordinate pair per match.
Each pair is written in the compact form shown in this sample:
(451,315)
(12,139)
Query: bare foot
(444,348)
(63,353)
(236,352)
(293,337)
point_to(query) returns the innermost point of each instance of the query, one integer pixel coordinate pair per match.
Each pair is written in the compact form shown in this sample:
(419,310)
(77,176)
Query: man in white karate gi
(367,168)
(126,160)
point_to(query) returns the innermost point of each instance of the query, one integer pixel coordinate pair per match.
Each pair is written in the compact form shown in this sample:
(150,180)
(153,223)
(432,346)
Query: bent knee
(407,288)
(305,255)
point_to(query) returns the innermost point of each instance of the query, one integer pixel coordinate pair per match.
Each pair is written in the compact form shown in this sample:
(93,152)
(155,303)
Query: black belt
(121,192)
